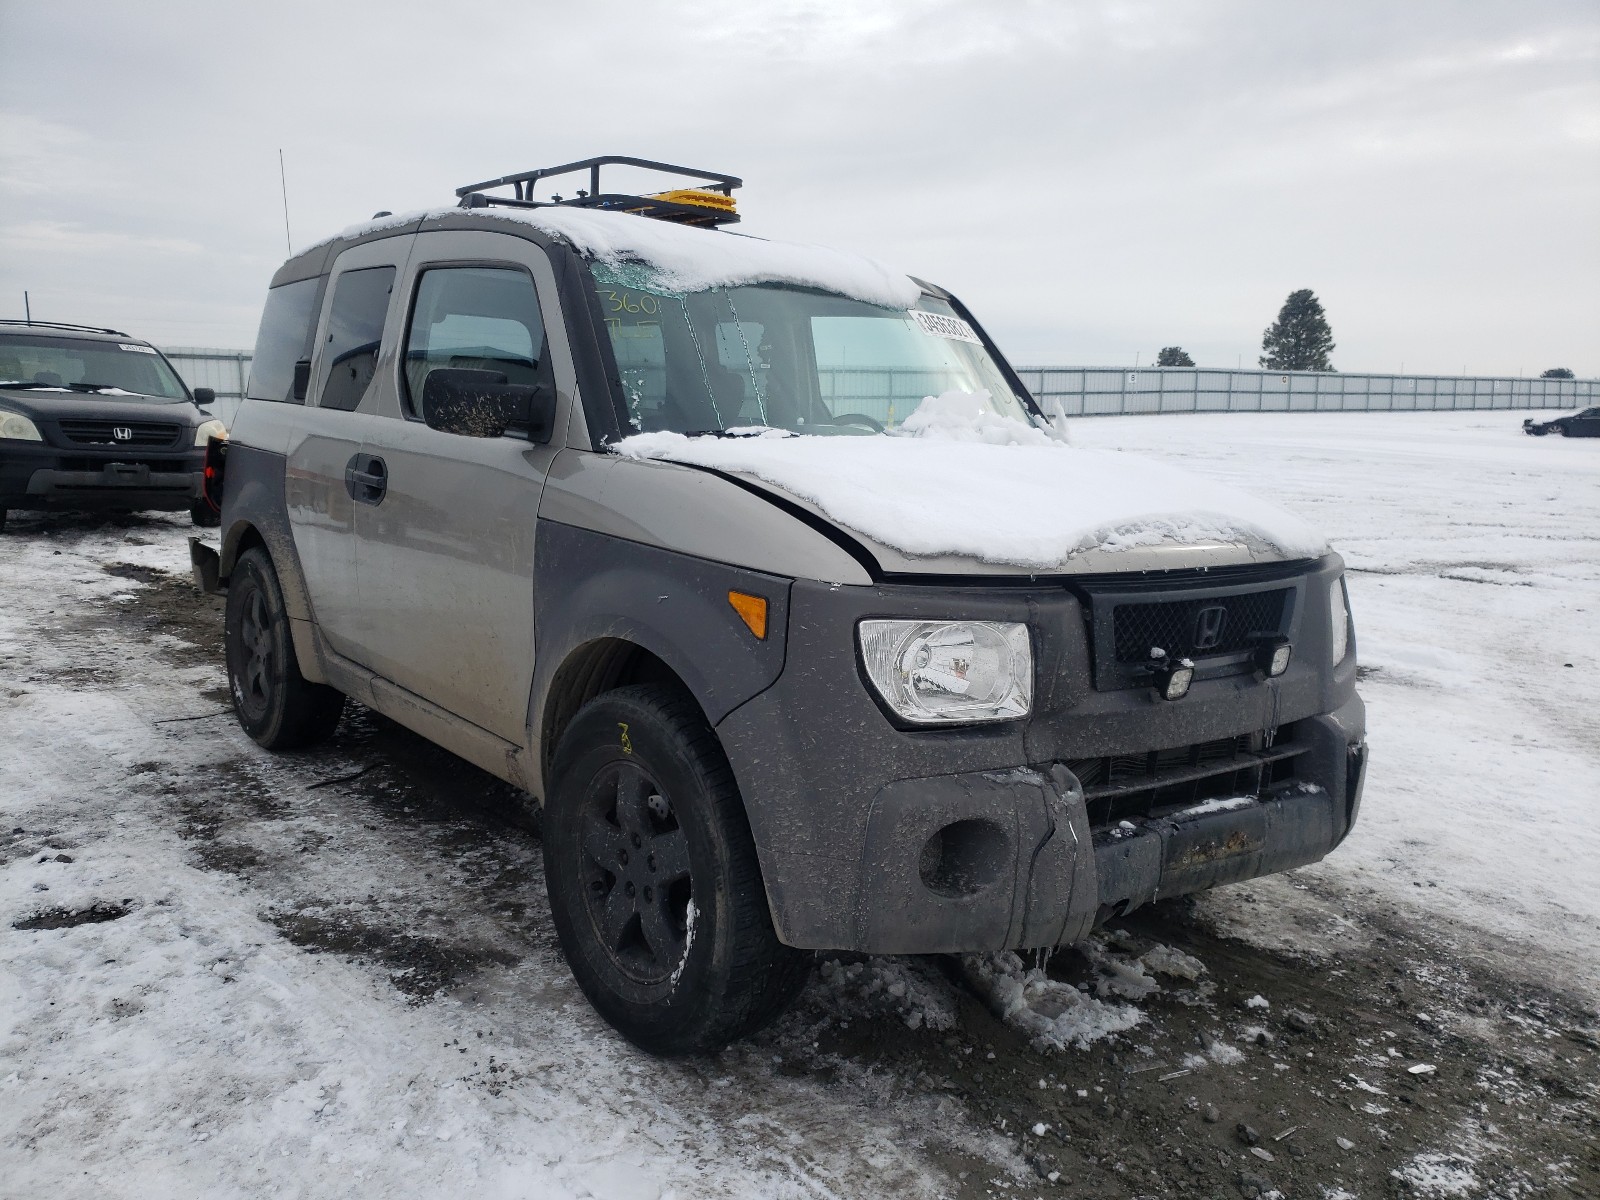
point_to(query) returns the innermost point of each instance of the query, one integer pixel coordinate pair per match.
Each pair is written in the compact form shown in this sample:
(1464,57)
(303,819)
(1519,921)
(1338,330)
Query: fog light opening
(964,858)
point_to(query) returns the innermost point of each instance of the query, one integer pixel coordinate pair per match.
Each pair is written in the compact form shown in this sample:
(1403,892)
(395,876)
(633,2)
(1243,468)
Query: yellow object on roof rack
(699,197)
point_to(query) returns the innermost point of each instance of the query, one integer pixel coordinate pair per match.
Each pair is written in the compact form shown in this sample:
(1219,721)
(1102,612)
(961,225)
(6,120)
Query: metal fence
(890,394)
(224,371)
(1107,391)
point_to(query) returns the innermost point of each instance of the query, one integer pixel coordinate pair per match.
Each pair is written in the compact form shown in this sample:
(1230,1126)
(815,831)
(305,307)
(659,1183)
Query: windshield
(78,364)
(785,357)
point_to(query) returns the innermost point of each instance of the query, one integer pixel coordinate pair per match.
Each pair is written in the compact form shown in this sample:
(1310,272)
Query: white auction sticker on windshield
(136,349)
(940,325)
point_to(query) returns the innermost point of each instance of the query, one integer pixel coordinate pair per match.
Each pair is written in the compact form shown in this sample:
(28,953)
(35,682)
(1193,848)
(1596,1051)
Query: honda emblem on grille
(122,433)
(1208,625)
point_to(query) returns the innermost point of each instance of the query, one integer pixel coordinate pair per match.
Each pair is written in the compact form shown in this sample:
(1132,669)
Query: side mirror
(482,404)
(302,380)
(205,397)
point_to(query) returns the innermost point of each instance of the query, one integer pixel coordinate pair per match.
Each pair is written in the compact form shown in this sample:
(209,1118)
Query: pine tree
(1299,340)
(1174,356)
(1557,373)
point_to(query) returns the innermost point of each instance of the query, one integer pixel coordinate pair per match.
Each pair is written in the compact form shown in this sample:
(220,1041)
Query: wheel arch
(598,666)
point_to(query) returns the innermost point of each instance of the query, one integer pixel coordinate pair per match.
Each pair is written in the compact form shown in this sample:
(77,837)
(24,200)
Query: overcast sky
(1096,180)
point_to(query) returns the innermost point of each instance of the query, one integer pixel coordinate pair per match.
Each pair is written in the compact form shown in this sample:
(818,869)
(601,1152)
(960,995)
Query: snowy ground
(229,973)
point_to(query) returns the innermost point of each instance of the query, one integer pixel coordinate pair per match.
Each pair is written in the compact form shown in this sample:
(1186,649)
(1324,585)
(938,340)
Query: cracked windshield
(786,358)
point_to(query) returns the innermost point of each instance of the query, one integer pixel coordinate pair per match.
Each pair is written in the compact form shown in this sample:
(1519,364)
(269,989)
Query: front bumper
(37,476)
(901,842)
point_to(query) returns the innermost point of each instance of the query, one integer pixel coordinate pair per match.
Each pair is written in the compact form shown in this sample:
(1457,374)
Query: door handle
(366,478)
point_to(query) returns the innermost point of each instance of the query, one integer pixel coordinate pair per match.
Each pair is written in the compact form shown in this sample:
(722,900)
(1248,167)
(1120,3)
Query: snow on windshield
(958,478)
(692,260)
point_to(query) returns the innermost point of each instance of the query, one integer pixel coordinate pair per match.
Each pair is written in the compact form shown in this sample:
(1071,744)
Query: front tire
(202,516)
(275,704)
(654,885)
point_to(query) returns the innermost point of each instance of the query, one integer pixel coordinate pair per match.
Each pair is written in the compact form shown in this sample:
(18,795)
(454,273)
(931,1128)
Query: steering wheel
(858,419)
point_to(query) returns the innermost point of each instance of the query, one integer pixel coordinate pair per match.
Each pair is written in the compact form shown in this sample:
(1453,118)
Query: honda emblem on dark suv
(122,433)
(1208,624)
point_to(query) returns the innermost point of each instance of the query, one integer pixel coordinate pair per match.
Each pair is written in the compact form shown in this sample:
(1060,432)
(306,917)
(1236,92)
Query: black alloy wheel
(637,885)
(655,887)
(275,704)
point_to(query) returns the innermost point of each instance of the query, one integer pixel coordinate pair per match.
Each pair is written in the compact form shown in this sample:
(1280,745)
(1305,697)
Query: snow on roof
(689,259)
(968,482)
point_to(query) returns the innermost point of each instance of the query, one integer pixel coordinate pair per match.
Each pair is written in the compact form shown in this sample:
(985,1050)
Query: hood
(959,490)
(54,403)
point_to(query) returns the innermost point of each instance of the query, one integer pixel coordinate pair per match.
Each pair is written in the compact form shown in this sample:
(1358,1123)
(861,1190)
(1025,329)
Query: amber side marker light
(752,611)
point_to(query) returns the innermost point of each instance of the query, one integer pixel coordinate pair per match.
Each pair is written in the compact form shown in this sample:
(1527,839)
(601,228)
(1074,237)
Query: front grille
(147,434)
(1179,626)
(1212,619)
(1128,786)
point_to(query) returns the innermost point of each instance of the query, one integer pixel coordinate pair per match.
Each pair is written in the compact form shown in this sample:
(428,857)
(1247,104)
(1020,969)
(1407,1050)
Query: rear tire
(654,885)
(201,515)
(275,704)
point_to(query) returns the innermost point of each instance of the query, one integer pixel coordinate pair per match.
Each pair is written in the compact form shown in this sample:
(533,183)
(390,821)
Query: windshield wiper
(23,385)
(741,431)
(94,387)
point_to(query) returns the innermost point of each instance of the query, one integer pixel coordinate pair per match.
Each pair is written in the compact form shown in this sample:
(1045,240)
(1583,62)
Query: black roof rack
(700,204)
(62,325)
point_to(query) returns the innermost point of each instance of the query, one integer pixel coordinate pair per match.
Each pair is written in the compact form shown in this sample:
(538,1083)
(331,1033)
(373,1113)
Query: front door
(343,386)
(445,561)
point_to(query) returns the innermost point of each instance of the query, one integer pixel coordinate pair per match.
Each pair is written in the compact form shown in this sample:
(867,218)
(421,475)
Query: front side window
(287,328)
(41,362)
(786,357)
(474,318)
(355,330)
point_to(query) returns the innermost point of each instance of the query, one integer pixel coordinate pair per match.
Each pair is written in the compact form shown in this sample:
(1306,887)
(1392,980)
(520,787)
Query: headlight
(18,428)
(209,430)
(950,672)
(1339,619)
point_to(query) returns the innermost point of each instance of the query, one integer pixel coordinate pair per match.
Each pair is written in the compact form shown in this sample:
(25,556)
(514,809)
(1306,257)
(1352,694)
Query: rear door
(343,392)
(446,559)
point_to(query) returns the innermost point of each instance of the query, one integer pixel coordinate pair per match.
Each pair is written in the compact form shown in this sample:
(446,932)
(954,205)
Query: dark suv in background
(95,419)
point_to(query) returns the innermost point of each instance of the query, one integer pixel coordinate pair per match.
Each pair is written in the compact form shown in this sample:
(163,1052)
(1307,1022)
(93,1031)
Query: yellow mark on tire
(627,742)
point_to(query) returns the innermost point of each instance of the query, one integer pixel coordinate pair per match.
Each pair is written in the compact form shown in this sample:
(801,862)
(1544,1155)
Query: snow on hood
(691,260)
(958,479)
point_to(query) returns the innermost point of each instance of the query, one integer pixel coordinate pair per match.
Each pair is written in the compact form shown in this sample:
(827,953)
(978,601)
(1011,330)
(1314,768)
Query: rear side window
(355,329)
(478,318)
(284,339)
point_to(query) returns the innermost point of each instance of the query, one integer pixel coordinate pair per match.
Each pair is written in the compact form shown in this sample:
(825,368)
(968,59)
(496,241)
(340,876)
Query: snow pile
(1055,1015)
(970,417)
(1118,976)
(968,482)
(690,260)
(1175,964)
(898,985)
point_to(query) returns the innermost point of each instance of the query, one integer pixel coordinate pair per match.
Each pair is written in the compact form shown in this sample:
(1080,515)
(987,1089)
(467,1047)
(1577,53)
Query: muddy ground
(1369,1058)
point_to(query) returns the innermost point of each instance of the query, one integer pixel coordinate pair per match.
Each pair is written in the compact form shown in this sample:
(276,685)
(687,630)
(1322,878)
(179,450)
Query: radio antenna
(283,181)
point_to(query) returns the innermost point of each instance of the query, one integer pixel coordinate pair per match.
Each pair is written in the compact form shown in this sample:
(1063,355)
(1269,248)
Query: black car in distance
(94,419)
(1579,424)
